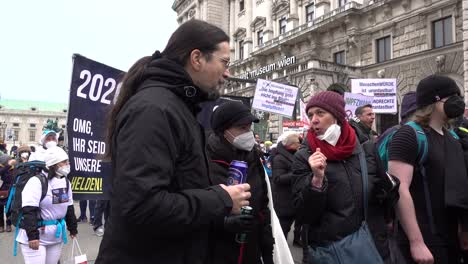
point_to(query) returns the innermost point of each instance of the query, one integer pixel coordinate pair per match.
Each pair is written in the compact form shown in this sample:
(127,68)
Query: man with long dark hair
(164,207)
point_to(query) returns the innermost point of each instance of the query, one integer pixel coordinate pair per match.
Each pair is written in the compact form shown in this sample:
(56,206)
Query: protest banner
(92,91)
(275,98)
(353,101)
(383,90)
(295,126)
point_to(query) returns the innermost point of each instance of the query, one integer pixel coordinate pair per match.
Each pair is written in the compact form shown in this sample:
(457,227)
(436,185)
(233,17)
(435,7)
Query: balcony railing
(311,25)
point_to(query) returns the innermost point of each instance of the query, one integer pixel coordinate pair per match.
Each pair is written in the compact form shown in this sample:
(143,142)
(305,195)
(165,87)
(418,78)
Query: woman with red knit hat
(329,180)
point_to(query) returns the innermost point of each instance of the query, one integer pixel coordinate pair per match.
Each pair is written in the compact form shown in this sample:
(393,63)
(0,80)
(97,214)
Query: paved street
(89,243)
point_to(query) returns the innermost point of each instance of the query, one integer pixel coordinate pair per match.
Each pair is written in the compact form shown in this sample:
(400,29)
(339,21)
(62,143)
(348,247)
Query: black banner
(92,91)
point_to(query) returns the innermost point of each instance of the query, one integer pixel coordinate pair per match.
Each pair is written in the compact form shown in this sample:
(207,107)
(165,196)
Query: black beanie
(434,88)
(231,114)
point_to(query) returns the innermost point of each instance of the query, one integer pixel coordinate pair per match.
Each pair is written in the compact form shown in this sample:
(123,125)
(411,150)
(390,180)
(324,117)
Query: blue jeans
(83,205)
(102,208)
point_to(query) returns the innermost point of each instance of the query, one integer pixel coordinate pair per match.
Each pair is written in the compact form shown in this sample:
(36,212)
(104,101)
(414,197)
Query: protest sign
(275,98)
(295,126)
(353,101)
(383,90)
(92,91)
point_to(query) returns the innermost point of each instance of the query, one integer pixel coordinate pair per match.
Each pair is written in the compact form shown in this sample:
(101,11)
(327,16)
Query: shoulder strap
(44,184)
(68,184)
(365,176)
(422,156)
(454,135)
(421,138)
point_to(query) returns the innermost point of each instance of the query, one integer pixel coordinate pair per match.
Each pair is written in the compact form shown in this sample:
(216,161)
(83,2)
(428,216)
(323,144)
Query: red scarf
(344,147)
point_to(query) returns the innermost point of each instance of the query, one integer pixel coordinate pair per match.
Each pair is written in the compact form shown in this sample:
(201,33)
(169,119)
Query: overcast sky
(38,39)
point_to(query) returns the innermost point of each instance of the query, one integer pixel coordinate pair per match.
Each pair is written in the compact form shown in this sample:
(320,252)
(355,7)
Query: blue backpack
(421,138)
(382,147)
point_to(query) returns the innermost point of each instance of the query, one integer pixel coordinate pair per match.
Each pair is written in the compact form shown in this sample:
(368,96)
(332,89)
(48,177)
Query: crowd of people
(354,196)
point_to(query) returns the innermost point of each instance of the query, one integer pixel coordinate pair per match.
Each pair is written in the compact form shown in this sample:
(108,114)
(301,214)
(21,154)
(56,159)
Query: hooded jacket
(163,204)
(260,240)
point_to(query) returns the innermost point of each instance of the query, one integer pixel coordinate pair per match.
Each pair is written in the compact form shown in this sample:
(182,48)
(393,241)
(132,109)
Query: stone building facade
(313,44)
(21,122)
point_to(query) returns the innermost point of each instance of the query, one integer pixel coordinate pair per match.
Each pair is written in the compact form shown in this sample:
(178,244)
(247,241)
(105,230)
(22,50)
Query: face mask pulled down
(245,141)
(332,135)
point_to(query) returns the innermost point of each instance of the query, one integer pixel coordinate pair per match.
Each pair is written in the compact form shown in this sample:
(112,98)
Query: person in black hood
(233,140)
(164,205)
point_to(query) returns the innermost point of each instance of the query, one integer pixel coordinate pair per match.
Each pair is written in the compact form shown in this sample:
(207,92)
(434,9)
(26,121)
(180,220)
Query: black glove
(239,223)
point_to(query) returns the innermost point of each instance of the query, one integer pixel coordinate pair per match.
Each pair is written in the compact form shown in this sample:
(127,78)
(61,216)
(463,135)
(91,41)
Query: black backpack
(24,172)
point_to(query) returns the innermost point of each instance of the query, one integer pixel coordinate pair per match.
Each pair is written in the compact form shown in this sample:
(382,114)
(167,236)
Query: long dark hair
(52,172)
(194,34)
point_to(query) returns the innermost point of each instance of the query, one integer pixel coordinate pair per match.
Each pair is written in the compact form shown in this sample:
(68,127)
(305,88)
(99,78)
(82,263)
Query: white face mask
(25,155)
(332,134)
(64,170)
(51,144)
(245,141)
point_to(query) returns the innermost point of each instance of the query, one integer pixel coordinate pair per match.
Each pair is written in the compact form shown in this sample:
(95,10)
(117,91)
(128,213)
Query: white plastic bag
(281,252)
(79,258)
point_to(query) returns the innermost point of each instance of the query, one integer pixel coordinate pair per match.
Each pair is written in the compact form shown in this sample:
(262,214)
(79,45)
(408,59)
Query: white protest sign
(383,90)
(275,97)
(353,101)
(295,126)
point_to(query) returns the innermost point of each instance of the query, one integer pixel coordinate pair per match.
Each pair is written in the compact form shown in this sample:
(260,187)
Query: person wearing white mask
(233,139)
(327,183)
(49,139)
(24,151)
(42,231)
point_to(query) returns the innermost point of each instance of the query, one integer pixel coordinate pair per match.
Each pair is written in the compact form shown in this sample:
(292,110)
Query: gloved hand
(239,223)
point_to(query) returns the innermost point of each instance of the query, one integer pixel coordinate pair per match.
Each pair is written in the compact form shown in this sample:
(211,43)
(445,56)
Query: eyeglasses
(226,61)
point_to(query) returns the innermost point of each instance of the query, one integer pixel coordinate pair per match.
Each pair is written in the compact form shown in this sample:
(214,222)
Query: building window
(260,38)
(241,5)
(32,135)
(241,50)
(16,134)
(442,32)
(383,49)
(16,124)
(339,57)
(310,12)
(282,25)
(32,125)
(342,2)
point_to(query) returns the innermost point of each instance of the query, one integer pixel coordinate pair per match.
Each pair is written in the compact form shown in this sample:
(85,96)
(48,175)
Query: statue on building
(52,125)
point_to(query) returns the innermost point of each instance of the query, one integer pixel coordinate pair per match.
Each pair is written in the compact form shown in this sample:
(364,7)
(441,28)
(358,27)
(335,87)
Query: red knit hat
(330,102)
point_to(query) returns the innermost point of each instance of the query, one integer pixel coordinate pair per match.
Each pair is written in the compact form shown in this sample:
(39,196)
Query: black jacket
(282,182)
(363,132)
(260,240)
(337,211)
(162,205)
